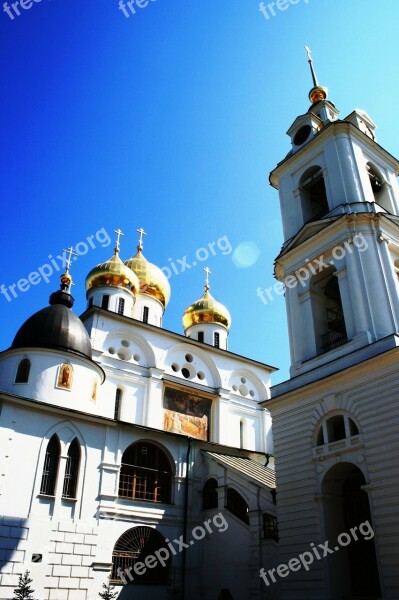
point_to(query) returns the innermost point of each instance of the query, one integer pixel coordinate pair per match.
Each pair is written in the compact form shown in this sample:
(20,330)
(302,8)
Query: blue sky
(171,120)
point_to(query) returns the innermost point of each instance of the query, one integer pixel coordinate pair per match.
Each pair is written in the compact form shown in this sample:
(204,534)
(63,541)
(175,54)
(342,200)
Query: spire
(317,92)
(141,232)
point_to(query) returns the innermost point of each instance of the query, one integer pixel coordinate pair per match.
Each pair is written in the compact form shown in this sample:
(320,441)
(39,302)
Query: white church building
(131,451)
(336,420)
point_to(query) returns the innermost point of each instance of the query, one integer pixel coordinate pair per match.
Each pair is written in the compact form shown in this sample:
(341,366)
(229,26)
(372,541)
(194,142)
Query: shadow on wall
(12,531)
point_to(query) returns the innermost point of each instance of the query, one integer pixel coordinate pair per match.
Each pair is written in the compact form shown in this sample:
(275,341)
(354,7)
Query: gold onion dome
(114,273)
(206,310)
(152,279)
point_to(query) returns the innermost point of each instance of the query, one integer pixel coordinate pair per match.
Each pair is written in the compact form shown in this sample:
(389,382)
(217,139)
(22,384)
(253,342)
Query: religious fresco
(186,413)
(64,379)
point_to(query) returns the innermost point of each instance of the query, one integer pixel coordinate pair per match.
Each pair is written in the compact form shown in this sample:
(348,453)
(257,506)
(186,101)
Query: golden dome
(318,93)
(114,273)
(152,280)
(206,310)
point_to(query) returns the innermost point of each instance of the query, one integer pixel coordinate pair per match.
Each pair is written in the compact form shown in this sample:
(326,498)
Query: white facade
(63,523)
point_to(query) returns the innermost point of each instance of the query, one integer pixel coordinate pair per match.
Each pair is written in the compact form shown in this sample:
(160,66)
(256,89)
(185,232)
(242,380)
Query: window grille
(50,467)
(145,475)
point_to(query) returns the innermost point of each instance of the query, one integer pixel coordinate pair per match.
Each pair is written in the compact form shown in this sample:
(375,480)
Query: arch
(313,194)
(210,494)
(352,571)
(328,314)
(379,187)
(175,357)
(334,427)
(23,371)
(71,475)
(237,505)
(134,546)
(146,473)
(247,384)
(146,354)
(50,467)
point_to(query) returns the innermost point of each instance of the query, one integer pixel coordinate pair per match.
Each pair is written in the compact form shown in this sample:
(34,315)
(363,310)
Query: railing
(333,339)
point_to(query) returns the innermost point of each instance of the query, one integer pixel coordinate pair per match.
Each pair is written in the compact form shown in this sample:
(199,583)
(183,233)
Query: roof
(248,467)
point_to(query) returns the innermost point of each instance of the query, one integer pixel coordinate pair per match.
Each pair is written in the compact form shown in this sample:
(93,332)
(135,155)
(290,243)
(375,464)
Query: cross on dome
(207,273)
(141,232)
(118,233)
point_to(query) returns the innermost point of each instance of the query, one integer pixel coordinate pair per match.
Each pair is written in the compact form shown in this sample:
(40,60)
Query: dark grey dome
(55,327)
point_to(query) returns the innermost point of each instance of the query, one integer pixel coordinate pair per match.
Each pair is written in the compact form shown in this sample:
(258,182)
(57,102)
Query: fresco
(186,413)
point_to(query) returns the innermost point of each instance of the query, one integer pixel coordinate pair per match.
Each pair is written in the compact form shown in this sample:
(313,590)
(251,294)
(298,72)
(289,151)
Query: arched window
(313,194)
(379,188)
(236,504)
(134,546)
(242,425)
(50,467)
(328,314)
(146,473)
(121,306)
(23,371)
(270,527)
(210,494)
(118,402)
(105,301)
(336,428)
(72,471)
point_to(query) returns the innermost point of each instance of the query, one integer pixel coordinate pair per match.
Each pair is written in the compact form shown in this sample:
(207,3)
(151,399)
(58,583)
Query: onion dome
(153,281)
(114,273)
(56,327)
(206,310)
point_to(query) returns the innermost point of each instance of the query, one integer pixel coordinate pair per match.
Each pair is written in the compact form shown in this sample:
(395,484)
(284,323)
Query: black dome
(55,327)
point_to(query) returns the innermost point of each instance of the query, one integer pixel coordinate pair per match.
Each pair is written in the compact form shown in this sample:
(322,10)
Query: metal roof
(248,467)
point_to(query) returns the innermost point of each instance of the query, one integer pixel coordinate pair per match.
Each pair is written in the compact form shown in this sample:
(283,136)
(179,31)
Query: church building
(131,451)
(336,420)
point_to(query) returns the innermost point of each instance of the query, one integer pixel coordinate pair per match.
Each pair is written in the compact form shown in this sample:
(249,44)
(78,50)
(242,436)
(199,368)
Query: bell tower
(339,202)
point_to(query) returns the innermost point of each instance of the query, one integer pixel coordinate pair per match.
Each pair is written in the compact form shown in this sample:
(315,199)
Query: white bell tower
(339,201)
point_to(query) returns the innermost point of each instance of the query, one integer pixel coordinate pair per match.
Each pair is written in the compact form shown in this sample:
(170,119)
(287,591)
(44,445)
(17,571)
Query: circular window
(122,355)
(201,375)
(189,358)
(302,135)
(111,350)
(175,367)
(136,357)
(125,343)
(251,393)
(243,390)
(185,372)
(235,387)
(243,380)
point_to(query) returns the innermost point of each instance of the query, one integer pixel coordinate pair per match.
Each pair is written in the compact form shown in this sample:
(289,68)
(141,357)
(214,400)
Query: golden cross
(141,232)
(118,233)
(207,273)
(68,260)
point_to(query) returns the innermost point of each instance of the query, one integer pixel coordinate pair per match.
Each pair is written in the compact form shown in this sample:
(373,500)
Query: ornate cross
(118,233)
(141,232)
(68,261)
(207,273)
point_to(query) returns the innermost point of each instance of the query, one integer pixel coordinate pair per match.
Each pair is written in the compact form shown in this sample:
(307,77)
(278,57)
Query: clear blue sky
(171,120)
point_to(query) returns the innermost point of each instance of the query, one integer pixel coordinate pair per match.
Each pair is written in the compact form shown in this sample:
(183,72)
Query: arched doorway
(352,569)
